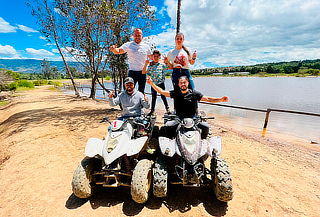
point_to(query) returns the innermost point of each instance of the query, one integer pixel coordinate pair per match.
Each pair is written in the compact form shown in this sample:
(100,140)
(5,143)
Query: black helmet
(128,80)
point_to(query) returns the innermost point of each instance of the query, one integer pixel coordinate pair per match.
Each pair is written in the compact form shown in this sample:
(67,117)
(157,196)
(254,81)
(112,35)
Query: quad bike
(123,158)
(182,160)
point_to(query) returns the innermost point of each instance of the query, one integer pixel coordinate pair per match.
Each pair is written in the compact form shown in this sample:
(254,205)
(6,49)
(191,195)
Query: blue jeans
(177,73)
(140,78)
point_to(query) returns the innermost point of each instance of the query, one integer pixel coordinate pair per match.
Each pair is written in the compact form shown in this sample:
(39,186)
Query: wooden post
(264,131)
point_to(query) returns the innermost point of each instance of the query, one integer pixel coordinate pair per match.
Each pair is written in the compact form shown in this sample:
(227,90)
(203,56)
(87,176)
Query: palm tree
(178,16)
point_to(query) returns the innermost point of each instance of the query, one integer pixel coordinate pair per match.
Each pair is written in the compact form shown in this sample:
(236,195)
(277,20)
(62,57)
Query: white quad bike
(182,160)
(123,158)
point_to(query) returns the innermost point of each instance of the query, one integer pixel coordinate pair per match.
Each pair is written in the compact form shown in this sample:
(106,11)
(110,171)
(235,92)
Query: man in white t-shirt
(137,52)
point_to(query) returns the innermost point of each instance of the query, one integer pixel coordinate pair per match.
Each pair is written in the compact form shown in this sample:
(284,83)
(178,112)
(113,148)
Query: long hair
(183,47)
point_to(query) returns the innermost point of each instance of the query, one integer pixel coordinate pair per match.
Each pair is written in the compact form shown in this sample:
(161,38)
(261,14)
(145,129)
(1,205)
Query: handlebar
(128,119)
(175,117)
(105,119)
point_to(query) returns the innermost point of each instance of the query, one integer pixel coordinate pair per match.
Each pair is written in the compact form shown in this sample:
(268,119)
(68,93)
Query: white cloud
(8,52)
(39,53)
(42,38)
(5,27)
(203,3)
(26,29)
(237,32)
(55,50)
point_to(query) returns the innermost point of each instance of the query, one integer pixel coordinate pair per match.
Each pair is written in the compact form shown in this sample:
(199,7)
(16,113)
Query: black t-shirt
(186,105)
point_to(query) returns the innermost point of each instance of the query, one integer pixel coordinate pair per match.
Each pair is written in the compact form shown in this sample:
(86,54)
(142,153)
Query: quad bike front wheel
(160,178)
(81,181)
(222,181)
(141,181)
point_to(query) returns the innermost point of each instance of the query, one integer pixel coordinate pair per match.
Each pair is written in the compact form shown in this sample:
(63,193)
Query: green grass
(3,102)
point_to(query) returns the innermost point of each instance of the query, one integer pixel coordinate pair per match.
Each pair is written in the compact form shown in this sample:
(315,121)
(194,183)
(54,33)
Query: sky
(223,32)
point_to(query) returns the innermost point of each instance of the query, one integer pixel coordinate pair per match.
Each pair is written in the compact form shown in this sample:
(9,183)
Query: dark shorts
(140,78)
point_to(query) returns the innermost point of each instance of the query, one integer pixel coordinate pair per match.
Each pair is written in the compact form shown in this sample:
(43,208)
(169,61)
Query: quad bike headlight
(188,122)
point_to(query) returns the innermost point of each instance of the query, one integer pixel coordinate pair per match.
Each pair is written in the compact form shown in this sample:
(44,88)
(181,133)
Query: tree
(288,69)
(6,76)
(87,28)
(270,69)
(254,70)
(45,69)
(48,21)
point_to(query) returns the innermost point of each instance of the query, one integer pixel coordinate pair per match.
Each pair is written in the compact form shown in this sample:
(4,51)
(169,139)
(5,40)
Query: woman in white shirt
(179,59)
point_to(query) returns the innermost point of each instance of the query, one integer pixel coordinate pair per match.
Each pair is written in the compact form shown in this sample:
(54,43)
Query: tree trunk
(93,86)
(178,16)
(58,46)
(69,72)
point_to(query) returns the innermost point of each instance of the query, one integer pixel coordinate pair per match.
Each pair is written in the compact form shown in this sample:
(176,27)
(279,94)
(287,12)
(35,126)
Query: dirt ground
(42,139)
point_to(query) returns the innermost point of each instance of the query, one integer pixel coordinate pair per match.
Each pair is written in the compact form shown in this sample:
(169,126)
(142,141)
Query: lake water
(287,93)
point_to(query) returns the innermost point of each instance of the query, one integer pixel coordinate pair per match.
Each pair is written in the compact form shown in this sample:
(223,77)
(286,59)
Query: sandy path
(42,138)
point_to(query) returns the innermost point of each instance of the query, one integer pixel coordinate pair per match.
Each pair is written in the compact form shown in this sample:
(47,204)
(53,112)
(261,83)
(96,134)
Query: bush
(12,86)
(314,72)
(40,82)
(56,83)
(25,83)
(36,83)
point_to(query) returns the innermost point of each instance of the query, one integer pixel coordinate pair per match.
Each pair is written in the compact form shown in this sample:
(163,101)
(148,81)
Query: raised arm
(144,70)
(113,101)
(214,100)
(158,89)
(192,59)
(116,50)
(166,61)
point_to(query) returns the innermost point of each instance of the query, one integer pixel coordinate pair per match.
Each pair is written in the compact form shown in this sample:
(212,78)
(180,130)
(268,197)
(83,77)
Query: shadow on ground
(179,199)
(78,118)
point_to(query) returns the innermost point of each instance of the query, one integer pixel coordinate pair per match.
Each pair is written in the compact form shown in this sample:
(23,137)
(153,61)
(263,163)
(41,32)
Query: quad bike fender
(135,145)
(94,147)
(205,149)
(214,146)
(119,147)
(168,146)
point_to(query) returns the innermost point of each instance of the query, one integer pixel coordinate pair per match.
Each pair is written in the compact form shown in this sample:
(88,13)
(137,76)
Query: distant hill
(33,65)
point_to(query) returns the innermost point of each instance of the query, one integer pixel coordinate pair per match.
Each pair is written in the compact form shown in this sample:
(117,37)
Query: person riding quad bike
(124,157)
(185,145)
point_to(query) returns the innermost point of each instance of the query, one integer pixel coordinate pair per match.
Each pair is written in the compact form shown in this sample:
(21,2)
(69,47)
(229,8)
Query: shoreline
(88,81)
(231,123)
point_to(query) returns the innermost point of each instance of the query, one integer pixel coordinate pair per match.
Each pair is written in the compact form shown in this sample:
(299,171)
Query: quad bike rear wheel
(81,181)
(222,181)
(160,178)
(141,181)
